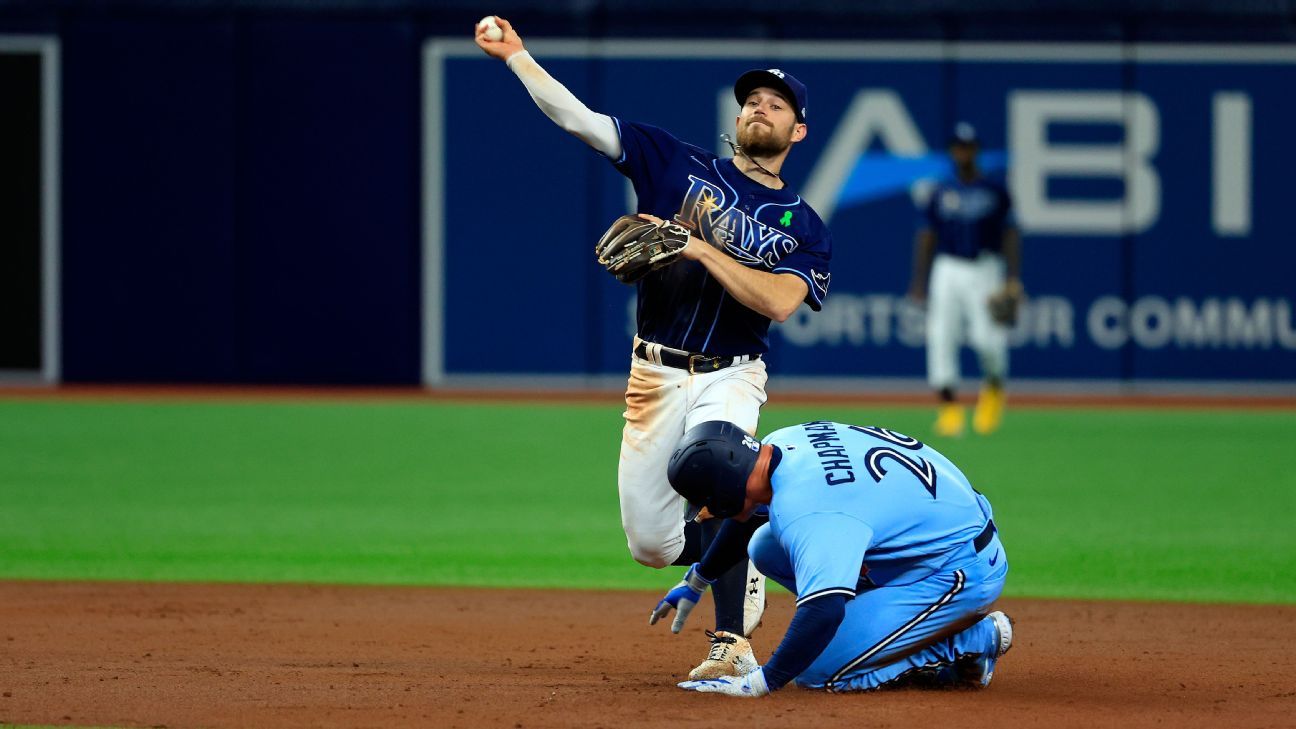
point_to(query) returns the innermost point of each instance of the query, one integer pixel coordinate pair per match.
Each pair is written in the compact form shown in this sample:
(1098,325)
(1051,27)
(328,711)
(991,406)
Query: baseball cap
(774,78)
(963,133)
(710,467)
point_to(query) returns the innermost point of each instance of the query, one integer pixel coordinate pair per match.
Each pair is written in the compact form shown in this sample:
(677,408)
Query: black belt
(692,361)
(985,536)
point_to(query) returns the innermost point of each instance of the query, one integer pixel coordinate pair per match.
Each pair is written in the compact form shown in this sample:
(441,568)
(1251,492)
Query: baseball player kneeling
(719,248)
(894,558)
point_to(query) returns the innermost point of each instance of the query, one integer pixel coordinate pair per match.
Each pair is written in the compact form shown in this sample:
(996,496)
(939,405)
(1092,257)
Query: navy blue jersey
(681,305)
(969,218)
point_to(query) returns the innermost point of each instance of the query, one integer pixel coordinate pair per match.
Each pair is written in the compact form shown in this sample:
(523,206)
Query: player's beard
(762,140)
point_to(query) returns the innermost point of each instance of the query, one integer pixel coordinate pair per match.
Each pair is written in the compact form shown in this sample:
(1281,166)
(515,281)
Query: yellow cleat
(949,420)
(989,410)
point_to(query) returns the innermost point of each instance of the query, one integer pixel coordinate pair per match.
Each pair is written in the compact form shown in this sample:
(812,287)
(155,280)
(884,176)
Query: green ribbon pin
(786,220)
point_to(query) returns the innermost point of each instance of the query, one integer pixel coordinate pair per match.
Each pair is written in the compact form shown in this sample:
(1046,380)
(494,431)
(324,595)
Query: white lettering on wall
(1150,322)
(1035,160)
(1231,168)
(1154,322)
(873,113)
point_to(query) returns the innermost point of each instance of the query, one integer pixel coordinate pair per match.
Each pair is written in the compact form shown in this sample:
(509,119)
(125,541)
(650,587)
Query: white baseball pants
(957,302)
(661,404)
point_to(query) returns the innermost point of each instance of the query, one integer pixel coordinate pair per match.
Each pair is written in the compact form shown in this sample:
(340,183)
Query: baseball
(493,32)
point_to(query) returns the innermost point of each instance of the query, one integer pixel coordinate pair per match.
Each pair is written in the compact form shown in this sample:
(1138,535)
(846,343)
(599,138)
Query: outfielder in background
(755,253)
(893,557)
(967,269)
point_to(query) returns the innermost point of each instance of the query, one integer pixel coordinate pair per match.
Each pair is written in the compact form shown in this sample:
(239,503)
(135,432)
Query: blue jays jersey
(856,507)
(970,217)
(681,305)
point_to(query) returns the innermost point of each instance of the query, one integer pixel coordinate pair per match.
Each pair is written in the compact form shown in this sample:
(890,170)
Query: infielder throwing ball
(732,249)
(893,556)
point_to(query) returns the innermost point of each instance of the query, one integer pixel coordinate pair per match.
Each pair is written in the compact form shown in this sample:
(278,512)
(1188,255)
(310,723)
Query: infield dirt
(184,655)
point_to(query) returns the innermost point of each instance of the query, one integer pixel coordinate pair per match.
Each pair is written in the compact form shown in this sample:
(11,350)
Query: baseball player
(755,252)
(893,557)
(967,269)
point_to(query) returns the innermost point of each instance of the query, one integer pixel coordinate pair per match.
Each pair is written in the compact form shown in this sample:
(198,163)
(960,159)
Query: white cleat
(1004,625)
(980,673)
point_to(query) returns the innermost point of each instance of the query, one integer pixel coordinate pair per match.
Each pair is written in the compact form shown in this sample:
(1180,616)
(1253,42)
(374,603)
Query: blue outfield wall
(272,193)
(240,200)
(1148,181)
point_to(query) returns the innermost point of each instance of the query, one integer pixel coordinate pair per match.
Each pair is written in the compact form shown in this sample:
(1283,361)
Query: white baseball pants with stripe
(957,297)
(661,404)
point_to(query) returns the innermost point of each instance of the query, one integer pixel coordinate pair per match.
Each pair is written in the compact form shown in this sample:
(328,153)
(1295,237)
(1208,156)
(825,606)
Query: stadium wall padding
(243,194)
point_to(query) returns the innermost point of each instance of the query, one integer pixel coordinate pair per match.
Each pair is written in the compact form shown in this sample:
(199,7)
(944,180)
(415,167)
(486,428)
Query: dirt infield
(127,654)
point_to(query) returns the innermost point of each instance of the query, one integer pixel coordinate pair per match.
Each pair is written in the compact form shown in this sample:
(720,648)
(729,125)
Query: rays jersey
(856,507)
(969,217)
(680,305)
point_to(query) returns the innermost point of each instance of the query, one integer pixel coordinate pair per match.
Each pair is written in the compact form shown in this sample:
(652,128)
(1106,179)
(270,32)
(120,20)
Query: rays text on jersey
(708,212)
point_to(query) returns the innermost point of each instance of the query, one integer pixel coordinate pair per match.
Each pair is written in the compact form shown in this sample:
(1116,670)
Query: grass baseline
(1185,505)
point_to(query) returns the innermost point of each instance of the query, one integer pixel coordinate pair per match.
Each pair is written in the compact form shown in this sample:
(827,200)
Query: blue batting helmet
(710,468)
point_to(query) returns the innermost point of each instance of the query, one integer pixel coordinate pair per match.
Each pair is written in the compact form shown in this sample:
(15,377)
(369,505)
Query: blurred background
(349,191)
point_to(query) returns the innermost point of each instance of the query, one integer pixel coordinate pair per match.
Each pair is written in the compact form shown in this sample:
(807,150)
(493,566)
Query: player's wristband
(694,579)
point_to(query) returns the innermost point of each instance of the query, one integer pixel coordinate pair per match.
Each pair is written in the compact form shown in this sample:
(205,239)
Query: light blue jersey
(867,505)
(894,527)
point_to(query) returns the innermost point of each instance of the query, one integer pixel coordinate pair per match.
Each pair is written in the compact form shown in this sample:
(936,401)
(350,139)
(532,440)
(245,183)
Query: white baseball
(493,32)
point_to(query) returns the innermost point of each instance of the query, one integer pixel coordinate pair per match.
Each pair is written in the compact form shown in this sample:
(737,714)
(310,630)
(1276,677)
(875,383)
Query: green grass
(1177,505)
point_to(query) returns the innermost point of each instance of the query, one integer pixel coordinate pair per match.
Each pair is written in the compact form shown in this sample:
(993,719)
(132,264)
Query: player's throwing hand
(504,47)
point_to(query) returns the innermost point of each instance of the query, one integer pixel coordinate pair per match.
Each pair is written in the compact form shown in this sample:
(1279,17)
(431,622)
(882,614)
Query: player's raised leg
(652,514)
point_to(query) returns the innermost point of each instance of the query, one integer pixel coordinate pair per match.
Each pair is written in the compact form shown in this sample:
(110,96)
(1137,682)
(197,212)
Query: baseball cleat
(949,420)
(977,669)
(754,600)
(730,655)
(989,410)
(1004,628)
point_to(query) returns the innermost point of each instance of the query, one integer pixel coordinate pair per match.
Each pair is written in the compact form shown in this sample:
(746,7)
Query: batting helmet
(710,468)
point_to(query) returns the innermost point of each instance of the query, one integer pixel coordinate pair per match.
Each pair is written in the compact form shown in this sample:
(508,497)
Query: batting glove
(682,597)
(750,686)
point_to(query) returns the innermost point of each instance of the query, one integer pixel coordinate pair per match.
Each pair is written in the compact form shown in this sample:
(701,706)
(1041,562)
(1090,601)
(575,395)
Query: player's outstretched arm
(554,99)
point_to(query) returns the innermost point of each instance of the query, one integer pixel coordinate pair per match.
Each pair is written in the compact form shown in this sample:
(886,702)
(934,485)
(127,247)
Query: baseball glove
(1005,304)
(633,247)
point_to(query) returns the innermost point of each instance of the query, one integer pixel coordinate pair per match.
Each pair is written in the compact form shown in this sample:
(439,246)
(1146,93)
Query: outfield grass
(1178,505)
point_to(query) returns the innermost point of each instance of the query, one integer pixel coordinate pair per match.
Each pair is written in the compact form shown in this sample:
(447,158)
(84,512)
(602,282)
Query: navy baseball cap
(782,81)
(710,468)
(963,133)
